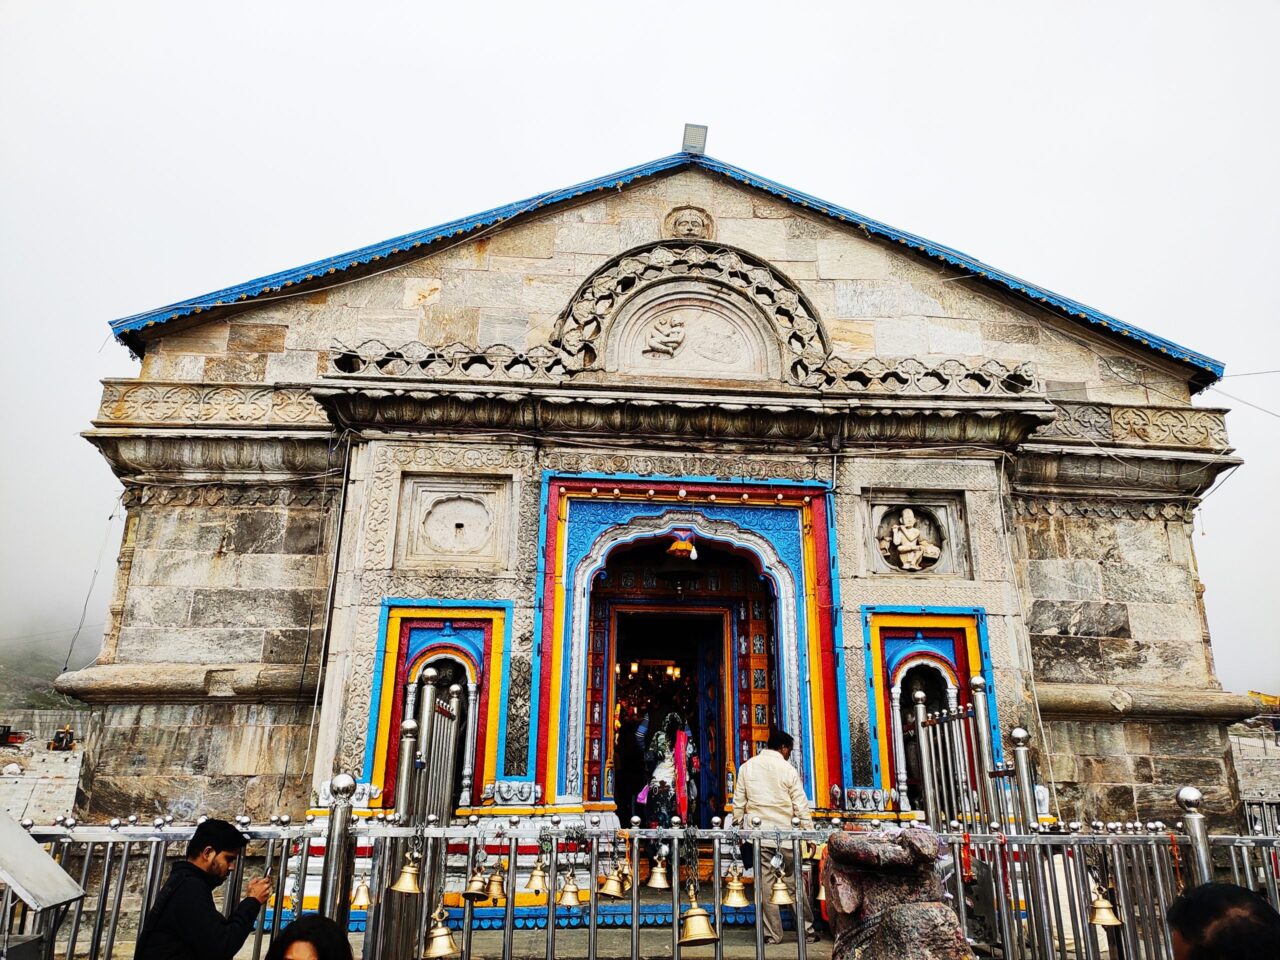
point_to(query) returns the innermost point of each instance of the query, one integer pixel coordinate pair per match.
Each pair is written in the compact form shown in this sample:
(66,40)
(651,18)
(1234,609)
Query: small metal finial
(115,823)
(555,820)
(918,697)
(795,823)
(978,683)
(285,819)
(70,823)
(515,821)
(715,823)
(1189,799)
(635,822)
(1019,736)
(158,823)
(432,819)
(473,819)
(756,821)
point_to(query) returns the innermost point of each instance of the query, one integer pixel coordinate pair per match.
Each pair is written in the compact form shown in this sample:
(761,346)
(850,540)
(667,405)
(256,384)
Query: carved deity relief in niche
(688,223)
(910,538)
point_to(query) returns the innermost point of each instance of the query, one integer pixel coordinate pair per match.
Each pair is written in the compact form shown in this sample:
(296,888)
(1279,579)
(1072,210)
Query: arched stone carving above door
(695,308)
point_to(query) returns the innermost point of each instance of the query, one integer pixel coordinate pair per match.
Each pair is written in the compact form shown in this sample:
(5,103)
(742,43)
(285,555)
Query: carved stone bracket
(1174,427)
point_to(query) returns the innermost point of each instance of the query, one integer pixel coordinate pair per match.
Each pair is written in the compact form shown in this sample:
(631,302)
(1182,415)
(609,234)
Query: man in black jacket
(184,922)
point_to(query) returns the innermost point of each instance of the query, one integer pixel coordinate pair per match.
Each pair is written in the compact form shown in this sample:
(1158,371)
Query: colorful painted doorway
(691,637)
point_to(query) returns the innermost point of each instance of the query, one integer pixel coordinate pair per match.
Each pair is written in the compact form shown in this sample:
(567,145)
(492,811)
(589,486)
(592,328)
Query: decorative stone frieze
(460,364)
(213,495)
(158,402)
(1191,427)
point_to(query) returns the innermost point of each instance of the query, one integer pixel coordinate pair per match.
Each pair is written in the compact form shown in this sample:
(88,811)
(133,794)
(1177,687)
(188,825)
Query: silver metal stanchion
(1190,799)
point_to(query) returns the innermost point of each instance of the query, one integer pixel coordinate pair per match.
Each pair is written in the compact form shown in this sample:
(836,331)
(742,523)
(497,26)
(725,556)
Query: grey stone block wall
(1114,603)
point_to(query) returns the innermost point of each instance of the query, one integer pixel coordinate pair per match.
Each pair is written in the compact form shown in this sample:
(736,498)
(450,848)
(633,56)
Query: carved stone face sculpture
(689,223)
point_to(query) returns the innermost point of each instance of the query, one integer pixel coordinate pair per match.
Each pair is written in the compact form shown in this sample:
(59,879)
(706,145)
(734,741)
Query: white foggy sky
(1124,154)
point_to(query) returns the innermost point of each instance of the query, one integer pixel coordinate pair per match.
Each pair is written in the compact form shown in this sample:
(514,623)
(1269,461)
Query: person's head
(781,741)
(1220,921)
(312,937)
(215,847)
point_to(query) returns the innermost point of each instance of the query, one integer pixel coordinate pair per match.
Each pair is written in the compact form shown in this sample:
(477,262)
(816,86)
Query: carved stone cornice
(171,402)
(1181,428)
(216,456)
(615,412)
(1075,701)
(190,682)
(1094,471)
(1100,509)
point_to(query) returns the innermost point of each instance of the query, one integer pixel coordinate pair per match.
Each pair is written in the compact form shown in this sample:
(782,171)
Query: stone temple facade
(496,445)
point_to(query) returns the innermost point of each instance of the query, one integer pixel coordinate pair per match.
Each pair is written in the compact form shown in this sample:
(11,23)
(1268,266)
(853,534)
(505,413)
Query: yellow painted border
(491,678)
(915,621)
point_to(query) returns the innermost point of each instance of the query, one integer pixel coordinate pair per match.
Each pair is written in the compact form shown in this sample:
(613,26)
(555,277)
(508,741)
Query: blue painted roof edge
(276,282)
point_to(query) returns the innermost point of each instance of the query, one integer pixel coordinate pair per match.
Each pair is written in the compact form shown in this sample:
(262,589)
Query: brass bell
(658,875)
(1102,913)
(537,884)
(407,882)
(611,888)
(779,894)
(362,896)
(476,889)
(696,926)
(440,942)
(624,868)
(495,888)
(570,895)
(735,890)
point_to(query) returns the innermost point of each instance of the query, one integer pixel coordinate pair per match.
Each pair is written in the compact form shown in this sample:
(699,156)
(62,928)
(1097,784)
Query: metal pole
(926,761)
(427,744)
(802,895)
(553,874)
(716,909)
(675,889)
(335,886)
(635,889)
(986,753)
(1190,799)
(469,746)
(509,915)
(468,908)
(899,746)
(593,868)
(758,883)
(118,900)
(1027,802)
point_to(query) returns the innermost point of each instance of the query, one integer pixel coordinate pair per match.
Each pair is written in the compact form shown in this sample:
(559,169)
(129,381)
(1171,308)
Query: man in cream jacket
(769,787)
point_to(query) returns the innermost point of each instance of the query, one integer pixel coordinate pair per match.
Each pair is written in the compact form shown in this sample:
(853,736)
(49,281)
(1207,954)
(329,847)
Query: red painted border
(392,770)
(725,493)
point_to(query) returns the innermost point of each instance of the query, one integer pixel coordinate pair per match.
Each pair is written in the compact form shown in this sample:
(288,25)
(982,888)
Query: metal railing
(1076,893)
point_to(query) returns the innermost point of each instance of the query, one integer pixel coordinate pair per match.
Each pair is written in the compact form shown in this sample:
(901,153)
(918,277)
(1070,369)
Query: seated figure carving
(886,900)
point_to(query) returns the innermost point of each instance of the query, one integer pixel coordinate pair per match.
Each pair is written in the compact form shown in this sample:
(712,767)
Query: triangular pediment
(855,270)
